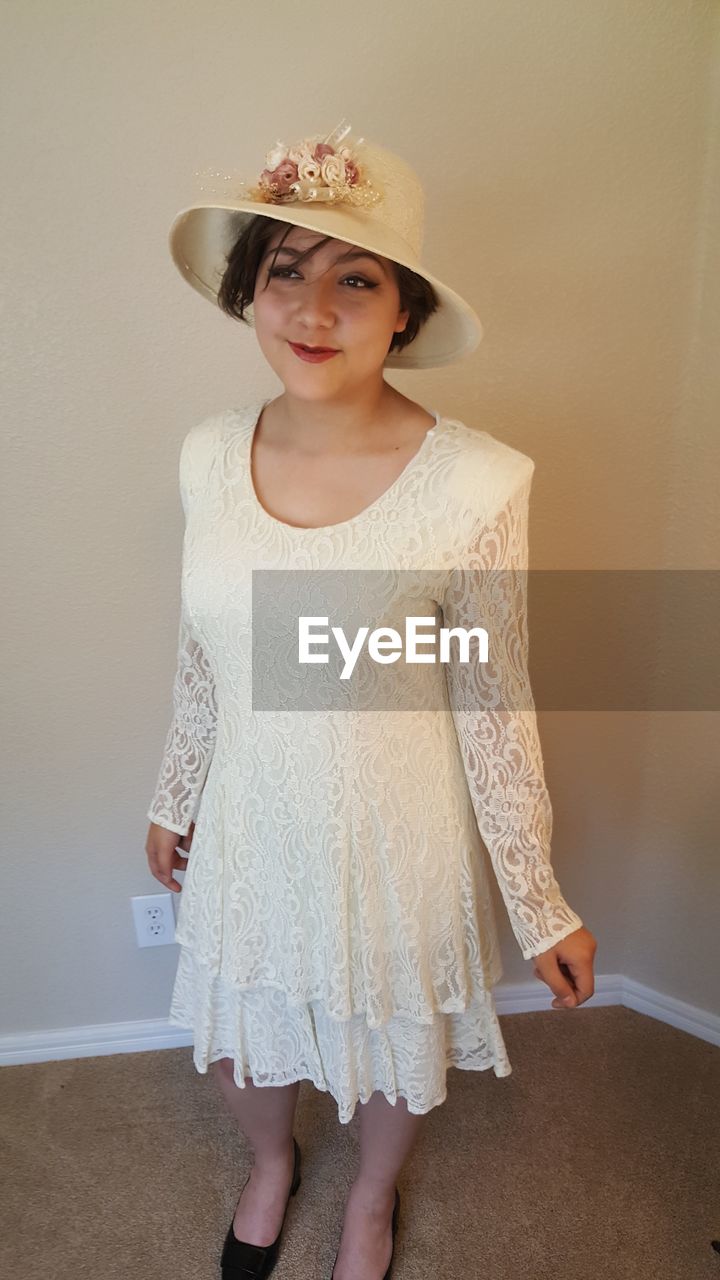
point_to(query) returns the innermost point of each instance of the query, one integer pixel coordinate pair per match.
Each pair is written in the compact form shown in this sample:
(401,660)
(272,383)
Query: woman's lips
(312,357)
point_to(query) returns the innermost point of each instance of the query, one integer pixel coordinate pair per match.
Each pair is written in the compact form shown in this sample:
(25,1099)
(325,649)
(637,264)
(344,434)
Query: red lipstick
(312,355)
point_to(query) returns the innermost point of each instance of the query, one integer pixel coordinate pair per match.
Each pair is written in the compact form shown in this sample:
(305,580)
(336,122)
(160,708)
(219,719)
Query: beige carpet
(599,1157)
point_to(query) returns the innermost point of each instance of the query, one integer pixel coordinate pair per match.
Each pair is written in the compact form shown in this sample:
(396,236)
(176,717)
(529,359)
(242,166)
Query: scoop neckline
(299,529)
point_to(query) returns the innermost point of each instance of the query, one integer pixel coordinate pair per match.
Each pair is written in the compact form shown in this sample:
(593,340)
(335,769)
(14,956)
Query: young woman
(335,922)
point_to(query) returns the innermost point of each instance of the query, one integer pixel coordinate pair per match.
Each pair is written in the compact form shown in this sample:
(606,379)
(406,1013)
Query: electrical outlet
(154,919)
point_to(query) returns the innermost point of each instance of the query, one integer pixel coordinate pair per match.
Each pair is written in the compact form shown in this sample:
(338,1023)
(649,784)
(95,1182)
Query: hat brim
(202,236)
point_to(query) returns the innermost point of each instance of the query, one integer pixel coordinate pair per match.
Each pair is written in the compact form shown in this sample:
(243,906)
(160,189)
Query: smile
(312,357)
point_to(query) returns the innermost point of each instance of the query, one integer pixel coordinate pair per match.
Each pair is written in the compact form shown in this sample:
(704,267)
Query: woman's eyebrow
(360,253)
(344,257)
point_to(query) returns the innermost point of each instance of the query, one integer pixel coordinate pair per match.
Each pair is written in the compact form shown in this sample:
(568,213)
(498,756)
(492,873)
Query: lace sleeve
(494,715)
(191,737)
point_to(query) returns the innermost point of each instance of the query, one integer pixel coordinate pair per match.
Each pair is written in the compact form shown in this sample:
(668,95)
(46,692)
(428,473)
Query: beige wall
(570,153)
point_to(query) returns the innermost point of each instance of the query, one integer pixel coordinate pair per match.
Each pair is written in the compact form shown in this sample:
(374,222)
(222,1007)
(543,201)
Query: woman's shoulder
(483,471)
(202,435)
(199,448)
(201,441)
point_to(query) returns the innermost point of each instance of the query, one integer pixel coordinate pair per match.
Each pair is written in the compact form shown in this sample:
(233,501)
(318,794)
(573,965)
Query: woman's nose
(316,297)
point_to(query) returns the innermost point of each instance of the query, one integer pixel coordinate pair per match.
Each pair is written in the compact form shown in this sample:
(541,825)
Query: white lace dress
(335,922)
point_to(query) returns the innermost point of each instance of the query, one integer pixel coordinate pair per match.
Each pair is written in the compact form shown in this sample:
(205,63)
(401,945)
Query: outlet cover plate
(154,919)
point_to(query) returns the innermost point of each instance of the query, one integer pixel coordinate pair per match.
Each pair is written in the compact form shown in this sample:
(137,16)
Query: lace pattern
(190,740)
(494,714)
(276,1042)
(336,921)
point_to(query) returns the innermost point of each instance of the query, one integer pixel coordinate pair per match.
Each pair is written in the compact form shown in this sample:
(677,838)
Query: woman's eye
(368,284)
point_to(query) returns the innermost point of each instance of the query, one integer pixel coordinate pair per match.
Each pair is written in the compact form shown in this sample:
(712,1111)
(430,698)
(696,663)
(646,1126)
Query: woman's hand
(161,848)
(567,968)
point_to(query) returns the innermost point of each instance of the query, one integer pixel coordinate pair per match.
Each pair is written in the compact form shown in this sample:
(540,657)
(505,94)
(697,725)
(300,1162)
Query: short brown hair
(237,288)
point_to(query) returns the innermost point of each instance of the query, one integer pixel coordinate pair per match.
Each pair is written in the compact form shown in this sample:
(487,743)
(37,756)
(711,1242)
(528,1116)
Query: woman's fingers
(163,857)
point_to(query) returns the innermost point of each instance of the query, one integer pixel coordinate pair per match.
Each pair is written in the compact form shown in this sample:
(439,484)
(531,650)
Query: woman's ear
(401,322)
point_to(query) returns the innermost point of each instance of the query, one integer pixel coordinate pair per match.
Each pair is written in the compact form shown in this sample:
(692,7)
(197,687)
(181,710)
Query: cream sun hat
(360,193)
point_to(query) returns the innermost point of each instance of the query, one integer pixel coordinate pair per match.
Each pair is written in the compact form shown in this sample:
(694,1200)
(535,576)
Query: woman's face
(351,304)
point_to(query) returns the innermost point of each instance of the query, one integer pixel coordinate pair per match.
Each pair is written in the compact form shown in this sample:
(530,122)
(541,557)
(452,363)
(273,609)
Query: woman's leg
(266,1115)
(387,1135)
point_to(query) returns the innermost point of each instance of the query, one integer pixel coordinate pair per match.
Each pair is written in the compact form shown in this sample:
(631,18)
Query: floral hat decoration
(358,192)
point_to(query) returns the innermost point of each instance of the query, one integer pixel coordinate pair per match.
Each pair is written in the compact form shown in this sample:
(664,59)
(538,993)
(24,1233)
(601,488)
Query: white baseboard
(510,997)
(615,988)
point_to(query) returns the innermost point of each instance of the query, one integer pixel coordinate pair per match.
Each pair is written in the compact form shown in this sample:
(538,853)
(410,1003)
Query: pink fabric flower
(282,177)
(313,170)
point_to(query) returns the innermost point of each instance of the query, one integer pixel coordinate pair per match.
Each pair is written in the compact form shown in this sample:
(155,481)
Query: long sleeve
(494,715)
(190,740)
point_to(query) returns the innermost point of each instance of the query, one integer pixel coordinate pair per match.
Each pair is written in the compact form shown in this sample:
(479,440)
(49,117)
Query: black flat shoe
(396,1211)
(243,1261)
